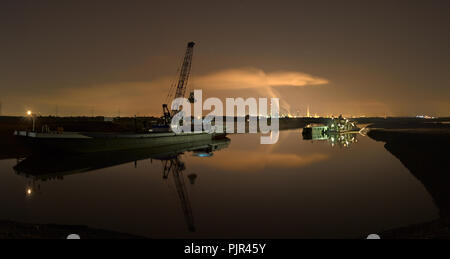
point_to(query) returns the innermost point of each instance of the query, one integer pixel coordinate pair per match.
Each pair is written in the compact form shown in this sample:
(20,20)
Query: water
(293,189)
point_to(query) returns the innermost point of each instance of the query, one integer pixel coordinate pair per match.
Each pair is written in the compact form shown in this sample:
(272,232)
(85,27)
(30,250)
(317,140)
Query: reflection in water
(343,139)
(294,189)
(422,154)
(32,188)
(335,139)
(255,160)
(176,167)
(50,167)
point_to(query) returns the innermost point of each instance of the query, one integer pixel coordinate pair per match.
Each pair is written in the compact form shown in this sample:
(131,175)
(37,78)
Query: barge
(342,125)
(88,142)
(335,126)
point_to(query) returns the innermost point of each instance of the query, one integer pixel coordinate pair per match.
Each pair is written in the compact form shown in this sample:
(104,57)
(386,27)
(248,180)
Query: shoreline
(18,230)
(422,152)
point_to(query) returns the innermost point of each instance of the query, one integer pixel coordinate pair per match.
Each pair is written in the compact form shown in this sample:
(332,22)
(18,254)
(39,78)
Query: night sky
(350,57)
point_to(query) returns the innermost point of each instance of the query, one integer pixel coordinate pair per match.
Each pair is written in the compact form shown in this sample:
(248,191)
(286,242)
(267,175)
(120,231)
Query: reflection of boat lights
(203,154)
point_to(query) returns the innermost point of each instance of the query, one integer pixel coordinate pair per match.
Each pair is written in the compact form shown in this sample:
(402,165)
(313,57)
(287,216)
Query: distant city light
(28,113)
(424,117)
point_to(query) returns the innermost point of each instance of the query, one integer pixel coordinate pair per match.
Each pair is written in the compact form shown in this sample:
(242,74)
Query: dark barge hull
(77,142)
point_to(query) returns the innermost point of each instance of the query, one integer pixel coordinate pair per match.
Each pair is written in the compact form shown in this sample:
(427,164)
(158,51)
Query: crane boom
(182,82)
(185,71)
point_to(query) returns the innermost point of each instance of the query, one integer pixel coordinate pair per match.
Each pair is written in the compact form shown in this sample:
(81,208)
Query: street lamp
(33,116)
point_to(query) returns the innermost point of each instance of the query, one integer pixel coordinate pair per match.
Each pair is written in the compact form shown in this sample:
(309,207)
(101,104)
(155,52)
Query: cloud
(147,97)
(244,78)
(257,79)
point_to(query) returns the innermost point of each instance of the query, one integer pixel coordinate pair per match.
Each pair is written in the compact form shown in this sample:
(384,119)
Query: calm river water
(294,189)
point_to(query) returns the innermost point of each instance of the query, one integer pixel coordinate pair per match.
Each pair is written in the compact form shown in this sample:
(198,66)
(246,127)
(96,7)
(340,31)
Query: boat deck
(102,135)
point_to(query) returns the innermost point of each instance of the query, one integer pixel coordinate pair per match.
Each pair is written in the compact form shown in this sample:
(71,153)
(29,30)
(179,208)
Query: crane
(181,86)
(175,166)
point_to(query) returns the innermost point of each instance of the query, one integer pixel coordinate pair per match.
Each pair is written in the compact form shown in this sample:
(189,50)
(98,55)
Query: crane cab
(191,98)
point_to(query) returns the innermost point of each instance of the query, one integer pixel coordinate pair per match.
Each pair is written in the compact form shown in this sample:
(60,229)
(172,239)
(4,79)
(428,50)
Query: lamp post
(33,117)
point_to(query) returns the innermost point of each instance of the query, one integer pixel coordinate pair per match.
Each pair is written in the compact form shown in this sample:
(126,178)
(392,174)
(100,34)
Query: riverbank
(424,152)
(18,230)
(437,229)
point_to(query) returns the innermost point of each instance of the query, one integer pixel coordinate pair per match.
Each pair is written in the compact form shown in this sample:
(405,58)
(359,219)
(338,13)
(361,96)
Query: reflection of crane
(48,167)
(176,167)
(180,86)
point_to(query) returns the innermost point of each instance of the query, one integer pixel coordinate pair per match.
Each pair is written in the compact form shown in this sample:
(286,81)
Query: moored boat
(334,126)
(86,142)
(342,125)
